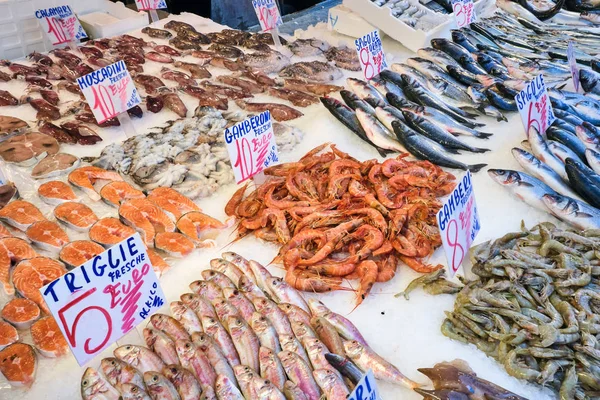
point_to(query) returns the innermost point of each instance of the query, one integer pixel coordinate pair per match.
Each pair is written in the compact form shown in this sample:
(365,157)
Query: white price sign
(144,5)
(534,105)
(464,12)
(99,302)
(109,91)
(458,221)
(267,13)
(60,24)
(251,146)
(366,388)
(370,54)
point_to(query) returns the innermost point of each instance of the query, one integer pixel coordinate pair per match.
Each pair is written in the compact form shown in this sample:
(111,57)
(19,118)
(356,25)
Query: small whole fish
(240,302)
(266,333)
(227,268)
(295,313)
(593,159)
(95,387)
(184,381)
(300,373)
(346,367)
(219,278)
(287,294)
(303,330)
(271,368)
(245,341)
(216,357)
(159,387)
(561,151)
(186,316)
(377,133)
(328,335)
(567,139)
(226,389)
(195,361)
(217,332)
(278,318)
(331,383)
(367,359)
(129,391)
(139,357)
(290,343)
(225,309)
(240,262)
(540,149)
(201,306)
(169,325)
(293,392)
(118,372)
(207,289)
(245,375)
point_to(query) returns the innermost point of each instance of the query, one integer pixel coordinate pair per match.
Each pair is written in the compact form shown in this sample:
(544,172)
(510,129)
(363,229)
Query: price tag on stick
(458,221)
(109,91)
(534,105)
(99,302)
(573,65)
(370,54)
(269,17)
(251,146)
(60,24)
(464,12)
(366,388)
(151,6)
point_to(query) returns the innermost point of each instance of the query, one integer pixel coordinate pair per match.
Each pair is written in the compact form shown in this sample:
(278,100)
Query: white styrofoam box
(111,20)
(342,20)
(21,33)
(414,39)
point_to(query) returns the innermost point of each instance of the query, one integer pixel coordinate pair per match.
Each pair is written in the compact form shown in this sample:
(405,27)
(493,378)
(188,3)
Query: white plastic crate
(414,39)
(21,33)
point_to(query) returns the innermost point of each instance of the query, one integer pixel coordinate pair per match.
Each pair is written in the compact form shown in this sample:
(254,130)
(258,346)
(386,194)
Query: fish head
(185,349)
(129,354)
(245,284)
(275,283)
(152,380)
(174,374)
(178,309)
(585,134)
(159,321)
(587,78)
(438,43)
(287,358)
(505,177)
(111,367)
(91,383)
(236,326)
(189,299)
(244,373)
(209,274)
(230,293)
(409,80)
(262,304)
(314,345)
(131,391)
(317,307)
(353,348)
(325,377)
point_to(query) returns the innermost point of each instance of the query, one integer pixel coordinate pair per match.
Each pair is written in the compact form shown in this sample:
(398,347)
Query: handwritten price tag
(60,24)
(371,55)
(464,12)
(366,388)
(144,5)
(267,13)
(573,65)
(458,221)
(251,146)
(534,105)
(99,302)
(109,91)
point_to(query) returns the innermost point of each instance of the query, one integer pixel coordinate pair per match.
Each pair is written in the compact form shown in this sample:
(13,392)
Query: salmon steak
(146,217)
(8,334)
(4,232)
(159,265)
(29,276)
(48,235)
(110,231)
(114,193)
(21,214)
(48,338)
(56,192)
(173,202)
(18,364)
(75,215)
(78,252)
(198,226)
(174,244)
(12,251)
(21,312)
(84,178)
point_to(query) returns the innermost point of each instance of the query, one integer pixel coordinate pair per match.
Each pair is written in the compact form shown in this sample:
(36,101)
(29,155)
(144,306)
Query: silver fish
(561,151)
(366,359)
(593,159)
(364,90)
(589,139)
(538,169)
(540,149)
(523,186)
(378,134)
(573,212)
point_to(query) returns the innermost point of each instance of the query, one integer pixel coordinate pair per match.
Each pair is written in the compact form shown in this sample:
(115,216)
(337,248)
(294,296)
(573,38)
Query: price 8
(370,54)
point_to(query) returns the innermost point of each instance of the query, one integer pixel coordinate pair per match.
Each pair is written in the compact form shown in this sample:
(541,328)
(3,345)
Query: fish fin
(501,117)
(483,135)
(527,184)
(451,150)
(476,167)
(480,150)
(382,152)
(583,214)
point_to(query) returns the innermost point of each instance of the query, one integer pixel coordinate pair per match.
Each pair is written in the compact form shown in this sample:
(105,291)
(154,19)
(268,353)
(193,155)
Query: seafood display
(188,155)
(340,218)
(416,15)
(533,307)
(242,334)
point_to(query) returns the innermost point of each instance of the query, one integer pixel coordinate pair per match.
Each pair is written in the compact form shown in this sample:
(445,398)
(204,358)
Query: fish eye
(85,382)
(134,389)
(187,345)
(128,347)
(155,378)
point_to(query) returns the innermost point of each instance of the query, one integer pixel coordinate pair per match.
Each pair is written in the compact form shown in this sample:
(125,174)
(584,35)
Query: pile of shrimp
(337,217)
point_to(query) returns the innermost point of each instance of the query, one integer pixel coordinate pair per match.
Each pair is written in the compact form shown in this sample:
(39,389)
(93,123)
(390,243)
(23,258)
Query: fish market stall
(339,139)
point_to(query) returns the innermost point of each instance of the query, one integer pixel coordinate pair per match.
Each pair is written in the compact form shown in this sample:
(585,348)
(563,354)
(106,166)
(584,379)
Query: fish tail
(476,167)
(483,135)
